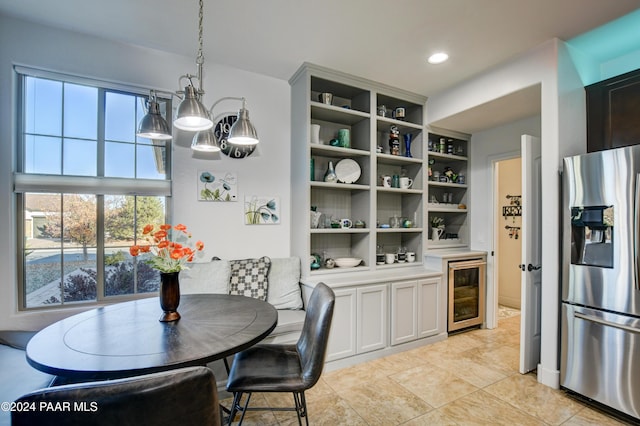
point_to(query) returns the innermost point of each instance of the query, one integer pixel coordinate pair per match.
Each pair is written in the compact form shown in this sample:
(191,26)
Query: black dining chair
(285,367)
(186,396)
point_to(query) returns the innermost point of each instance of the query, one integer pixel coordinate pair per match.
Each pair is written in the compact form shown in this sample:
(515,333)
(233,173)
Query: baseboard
(549,377)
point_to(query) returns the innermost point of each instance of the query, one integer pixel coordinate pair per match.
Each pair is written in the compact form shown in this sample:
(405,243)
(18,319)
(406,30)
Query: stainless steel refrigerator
(600,336)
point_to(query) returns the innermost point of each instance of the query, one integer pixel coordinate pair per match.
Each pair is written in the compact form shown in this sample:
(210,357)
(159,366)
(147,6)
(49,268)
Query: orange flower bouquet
(169,247)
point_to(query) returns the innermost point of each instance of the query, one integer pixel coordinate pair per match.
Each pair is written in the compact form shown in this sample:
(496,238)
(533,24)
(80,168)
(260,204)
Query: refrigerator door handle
(636,238)
(606,323)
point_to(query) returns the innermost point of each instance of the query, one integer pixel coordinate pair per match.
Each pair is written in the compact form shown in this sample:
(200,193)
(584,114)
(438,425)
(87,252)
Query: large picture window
(85,187)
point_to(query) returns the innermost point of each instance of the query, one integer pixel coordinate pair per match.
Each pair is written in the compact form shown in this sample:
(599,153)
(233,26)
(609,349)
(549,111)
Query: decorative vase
(436,233)
(330,175)
(315,133)
(407,145)
(169,296)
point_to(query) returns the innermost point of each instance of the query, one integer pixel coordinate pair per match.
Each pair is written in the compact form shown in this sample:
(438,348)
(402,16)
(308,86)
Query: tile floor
(469,379)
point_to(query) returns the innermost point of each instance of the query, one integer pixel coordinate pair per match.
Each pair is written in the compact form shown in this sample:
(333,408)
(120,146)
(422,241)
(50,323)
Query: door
(531,255)
(404,312)
(371,308)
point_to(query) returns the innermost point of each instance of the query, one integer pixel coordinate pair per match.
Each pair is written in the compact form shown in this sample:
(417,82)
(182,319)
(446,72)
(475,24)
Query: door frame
(492,270)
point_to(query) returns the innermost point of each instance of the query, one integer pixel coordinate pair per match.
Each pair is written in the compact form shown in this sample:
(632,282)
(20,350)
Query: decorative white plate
(347,262)
(347,170)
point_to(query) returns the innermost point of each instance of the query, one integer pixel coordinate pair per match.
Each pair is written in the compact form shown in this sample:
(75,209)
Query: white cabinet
(430,304)
(415,309)
(372,318)
(404,312)
(359,322)
(342,338)
(448,198)
(354,111)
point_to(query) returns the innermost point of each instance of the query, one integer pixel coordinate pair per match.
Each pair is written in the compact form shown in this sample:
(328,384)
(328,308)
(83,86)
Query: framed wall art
(261,210)
(217,186)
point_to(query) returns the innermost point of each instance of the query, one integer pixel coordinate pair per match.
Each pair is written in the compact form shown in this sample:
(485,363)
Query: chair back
(186,396)
(312,345)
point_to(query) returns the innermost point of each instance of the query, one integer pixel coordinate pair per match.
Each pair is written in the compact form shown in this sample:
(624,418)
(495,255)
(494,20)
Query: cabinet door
(372,318)
(429,306)
(612,112)
(342,338)
(404,312)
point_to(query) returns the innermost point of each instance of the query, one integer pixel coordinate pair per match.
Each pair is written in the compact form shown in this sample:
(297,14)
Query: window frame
(99,185)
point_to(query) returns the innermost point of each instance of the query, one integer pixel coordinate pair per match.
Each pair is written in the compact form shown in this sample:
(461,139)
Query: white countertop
(454,253)
(347,279)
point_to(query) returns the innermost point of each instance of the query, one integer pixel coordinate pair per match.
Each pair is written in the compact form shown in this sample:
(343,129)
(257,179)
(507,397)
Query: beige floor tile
(505,359)
(384,402)
(399,362)
(590,417)
(481,408)
(524,392)
(330,411)
(477,374)
(353,376)
(432,418)
(433,384)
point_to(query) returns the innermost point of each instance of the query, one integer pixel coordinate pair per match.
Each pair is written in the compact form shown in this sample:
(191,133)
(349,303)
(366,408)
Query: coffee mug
(386,181)
(411,257)
(380,259)
(399,113)
(390,257)
(326,98)
(346,223)
(405,182)
(402,257)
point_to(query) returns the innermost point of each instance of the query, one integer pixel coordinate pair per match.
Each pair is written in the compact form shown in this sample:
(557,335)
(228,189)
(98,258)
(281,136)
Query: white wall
(220,226)
(561,132)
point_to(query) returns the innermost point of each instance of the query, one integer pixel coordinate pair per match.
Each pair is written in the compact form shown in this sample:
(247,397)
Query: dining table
(127,339)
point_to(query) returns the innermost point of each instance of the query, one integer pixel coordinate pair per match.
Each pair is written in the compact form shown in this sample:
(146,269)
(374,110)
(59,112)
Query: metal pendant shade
(153,125)
(242,132)
(191,114)
(205,140)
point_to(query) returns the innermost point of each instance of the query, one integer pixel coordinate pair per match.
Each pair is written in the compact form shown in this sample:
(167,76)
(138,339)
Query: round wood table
(126,339)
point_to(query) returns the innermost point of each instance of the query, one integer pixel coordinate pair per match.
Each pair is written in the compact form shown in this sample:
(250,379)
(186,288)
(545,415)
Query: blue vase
(407,145)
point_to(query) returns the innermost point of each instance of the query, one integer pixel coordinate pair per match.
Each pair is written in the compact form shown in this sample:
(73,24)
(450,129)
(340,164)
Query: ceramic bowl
(347,262)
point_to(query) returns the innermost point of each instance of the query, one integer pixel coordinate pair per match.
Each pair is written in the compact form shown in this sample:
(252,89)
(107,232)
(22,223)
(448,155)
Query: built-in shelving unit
(355,107)
(448,195)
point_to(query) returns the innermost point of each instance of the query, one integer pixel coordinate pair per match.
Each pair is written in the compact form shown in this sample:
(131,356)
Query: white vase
(436,233)
(315,133)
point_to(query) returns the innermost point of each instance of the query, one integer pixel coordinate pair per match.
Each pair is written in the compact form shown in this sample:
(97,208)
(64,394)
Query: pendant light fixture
(191,115)
(242,132)
(153,125)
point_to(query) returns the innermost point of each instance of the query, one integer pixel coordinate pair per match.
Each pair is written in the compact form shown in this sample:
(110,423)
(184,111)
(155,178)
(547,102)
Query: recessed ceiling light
(438,58)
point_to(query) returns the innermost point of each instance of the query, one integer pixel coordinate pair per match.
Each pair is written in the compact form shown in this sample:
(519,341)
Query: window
(85,187)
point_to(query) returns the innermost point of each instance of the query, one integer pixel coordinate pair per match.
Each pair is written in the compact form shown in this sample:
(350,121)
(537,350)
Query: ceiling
(386,41)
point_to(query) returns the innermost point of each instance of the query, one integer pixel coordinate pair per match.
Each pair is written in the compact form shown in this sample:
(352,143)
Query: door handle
(529,267)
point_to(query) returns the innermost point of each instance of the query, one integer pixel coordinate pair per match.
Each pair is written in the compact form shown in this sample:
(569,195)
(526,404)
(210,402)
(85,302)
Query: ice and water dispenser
(591,236)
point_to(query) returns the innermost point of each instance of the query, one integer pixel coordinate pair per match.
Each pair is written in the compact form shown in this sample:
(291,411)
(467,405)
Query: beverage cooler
(466,282)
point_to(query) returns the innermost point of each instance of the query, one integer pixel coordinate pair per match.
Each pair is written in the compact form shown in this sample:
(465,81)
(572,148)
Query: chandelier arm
(226,98)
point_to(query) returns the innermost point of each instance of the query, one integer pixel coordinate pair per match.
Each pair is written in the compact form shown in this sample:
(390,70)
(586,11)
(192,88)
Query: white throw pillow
(207,277)
(284,283)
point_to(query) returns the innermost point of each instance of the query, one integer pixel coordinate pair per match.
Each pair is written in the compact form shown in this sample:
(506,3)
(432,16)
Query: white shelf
(339,186)
(336,151)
